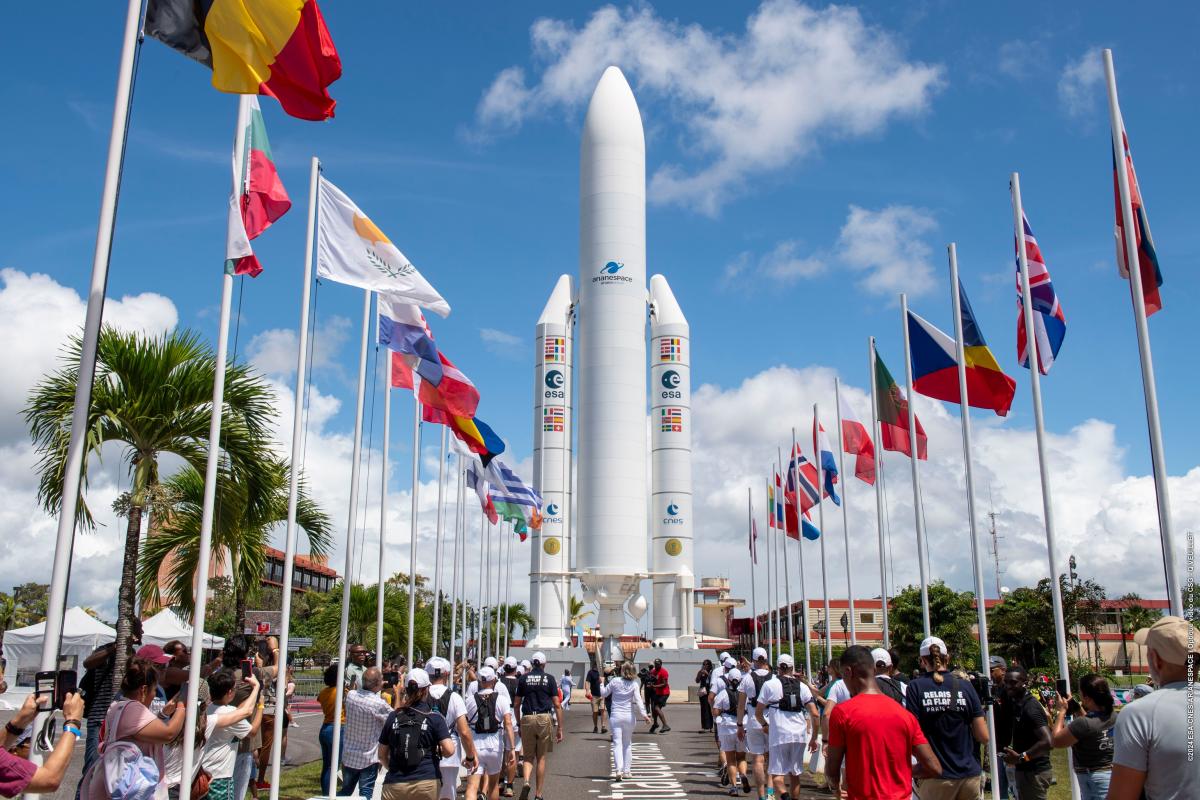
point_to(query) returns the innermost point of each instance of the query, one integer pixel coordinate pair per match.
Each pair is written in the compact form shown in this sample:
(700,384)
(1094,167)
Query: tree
(517,617)
(952,618)
(1083,606)
(1134,617)
(1022,627)
(576,612)
(326,624)
(241,529)
(152,395)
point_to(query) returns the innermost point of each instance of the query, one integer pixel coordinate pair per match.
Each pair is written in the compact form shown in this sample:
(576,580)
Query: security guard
(538,705)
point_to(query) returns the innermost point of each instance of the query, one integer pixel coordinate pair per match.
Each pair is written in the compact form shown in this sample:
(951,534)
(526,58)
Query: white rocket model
(610,360)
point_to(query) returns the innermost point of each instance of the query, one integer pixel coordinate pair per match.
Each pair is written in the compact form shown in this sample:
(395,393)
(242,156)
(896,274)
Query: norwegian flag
(1147,257)
(1049,322)
(802,471)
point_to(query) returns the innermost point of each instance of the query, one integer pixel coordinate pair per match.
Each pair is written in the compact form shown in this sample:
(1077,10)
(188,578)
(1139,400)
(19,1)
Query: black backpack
(759,680)
(731,689)
(485,717)
(409,729)
(890,687)
(442,704)
(791,700)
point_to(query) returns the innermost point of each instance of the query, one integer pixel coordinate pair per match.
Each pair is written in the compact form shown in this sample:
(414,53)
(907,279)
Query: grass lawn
(302,782)
(1058,761)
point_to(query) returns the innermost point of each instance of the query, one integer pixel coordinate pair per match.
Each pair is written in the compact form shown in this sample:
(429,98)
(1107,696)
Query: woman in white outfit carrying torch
(626,692)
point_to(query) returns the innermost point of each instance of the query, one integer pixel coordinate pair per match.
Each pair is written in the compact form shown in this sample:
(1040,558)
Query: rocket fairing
(550,545)
(611,349)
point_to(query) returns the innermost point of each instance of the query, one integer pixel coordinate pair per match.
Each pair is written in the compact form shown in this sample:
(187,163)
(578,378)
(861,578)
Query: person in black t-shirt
(592,680)
(537,704)
(1029,747)
(419,781)
(1089,734)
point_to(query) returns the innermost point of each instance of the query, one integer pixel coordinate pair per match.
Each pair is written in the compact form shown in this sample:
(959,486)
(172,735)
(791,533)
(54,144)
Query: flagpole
(753,560)
(1035,385)
(976,564)
(915,448)
(289,555)
(350,523)
(458,515)
(412,529)
(383,501)
(437,561)
(787,573)
(883,583)
(508,600)
(60,575)
(837,391)
(500,584)
(1158,459)
(821,521)
(485,572)
(772,630)
(803,584)
(479,597)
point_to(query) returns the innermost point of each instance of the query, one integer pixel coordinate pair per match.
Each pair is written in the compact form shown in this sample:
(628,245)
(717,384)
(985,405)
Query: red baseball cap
(154,654)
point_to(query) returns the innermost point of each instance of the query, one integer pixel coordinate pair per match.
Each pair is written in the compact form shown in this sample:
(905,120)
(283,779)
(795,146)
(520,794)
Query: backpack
(890,687)
(759,680)
(791,700)
(409,726)
(127,772)
(731,689)
(442,704)
(485,717)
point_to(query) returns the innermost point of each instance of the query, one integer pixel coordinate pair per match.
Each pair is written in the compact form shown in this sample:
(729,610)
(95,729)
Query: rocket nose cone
(612,115)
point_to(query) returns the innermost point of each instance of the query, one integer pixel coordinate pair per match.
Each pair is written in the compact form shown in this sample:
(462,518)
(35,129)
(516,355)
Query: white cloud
(784,265)
(1079,84)
(273,351)
(503,343)
(747,103)
(888,248)
(1023,58)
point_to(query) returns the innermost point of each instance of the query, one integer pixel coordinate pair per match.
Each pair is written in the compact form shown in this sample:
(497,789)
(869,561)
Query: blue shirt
(945,712)
(433,732)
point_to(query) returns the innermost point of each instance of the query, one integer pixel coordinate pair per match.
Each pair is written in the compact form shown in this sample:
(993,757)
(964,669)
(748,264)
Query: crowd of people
(486,729)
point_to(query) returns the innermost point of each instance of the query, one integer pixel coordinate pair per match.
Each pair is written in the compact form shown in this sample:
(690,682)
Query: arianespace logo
(610,273)
(671,379)
(674,515)
(554,379)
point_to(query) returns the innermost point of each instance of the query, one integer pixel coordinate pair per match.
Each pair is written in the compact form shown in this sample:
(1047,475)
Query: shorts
(267,729)
(730,743)
(949,788)
(489,753)
(537,735)
(597,704)
(787,758)
(756,741)
(659,700)
(411,790)
(449,785)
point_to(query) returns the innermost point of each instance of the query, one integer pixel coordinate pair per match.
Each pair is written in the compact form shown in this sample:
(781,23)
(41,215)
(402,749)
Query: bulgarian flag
(258,196)
(279,48)
(893,415)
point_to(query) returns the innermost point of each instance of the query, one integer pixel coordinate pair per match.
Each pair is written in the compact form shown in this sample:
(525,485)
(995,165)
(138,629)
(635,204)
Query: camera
(56,685)
(982,684)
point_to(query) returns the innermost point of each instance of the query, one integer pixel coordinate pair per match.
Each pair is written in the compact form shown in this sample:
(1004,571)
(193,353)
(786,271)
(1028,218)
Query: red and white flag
(856,440)
(753,541)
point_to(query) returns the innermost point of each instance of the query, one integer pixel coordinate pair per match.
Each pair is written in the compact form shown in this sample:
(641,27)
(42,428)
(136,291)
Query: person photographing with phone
(17,775)
(1088,734)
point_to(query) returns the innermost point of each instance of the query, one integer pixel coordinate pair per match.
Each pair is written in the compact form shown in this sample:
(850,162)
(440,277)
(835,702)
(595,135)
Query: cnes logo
(674,515)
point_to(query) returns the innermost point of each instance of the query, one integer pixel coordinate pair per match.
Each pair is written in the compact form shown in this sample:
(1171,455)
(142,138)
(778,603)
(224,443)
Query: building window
(867,618)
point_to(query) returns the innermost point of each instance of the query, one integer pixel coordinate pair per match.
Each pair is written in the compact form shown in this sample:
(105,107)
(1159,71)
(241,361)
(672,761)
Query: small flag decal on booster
(556,347)
(553,418)
(672,419)
(669,349)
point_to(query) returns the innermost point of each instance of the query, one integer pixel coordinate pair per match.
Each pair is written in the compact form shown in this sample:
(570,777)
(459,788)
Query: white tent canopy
(167,625)
(82,633)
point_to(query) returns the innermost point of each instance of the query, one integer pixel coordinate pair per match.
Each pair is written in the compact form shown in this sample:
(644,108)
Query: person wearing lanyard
(537,700)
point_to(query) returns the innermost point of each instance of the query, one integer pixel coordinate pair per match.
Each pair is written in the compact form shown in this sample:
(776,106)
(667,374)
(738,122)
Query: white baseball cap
(724,655)
(785,660)
(929,642)
(491,661)
(418,676)
(734,674)
(881,656)
(437,666)
(510,661)
(729,662)
(487,674)
(759,653)
(525,665)
(539,657)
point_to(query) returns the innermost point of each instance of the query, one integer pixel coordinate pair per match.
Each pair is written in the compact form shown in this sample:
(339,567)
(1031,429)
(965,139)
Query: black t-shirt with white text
(945,712)
(536,691)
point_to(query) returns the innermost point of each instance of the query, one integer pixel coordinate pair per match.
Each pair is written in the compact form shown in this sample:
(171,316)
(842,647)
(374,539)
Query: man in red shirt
(660,692)
(875,736)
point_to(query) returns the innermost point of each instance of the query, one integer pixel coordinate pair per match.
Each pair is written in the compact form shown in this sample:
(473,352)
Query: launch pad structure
(628,516)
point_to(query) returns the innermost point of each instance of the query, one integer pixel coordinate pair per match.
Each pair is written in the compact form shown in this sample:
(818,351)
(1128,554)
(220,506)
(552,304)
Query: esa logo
(670,382)
(610,273)
(554,385)
(673,516)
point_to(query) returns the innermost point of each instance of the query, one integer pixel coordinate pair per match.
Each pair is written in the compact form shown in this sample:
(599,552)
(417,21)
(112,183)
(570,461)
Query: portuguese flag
(892,408)
(279,48)
(258,196)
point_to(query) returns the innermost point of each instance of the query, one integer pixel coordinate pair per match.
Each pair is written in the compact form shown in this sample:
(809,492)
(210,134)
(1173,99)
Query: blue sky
(768,273)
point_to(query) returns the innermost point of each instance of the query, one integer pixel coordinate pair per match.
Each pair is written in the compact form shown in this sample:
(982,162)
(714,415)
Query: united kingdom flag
(1049,322)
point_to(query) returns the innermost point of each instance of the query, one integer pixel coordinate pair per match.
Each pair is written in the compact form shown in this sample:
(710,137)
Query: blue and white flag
(513,499)
(829,468)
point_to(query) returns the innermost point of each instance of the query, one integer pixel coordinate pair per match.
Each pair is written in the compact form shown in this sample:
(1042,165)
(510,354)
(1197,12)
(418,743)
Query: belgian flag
(279,48)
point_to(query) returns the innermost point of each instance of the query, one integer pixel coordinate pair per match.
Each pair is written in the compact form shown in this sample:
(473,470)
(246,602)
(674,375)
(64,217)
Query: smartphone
(247,668)
(1064,688)
(44,684)
(66,683)
(392,677)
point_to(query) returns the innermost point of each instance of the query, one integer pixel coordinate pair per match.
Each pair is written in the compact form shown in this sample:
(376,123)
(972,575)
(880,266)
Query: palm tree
(8,612)
(361,620)
(1134,617)
(576,613)
(154,396)
(240,528)
(516,615)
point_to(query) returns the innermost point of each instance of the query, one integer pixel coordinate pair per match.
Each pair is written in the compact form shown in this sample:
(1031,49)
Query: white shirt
(488,742)
(457,708)
(625,695)
(173,754)
(786,726)
(839,692)
(726,723)
(716,680)
(220,750)
(746,687)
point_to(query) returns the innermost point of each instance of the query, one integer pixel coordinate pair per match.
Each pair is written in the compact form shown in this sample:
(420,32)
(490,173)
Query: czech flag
(935,365)
(1147,257)
(279,48)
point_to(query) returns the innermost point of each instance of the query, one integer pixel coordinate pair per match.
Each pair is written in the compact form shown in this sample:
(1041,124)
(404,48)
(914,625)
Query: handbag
(200,783)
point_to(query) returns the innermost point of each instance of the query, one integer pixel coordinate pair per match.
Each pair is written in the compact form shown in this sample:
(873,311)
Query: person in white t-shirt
(205,725)
(787,711)
(493,735)
(451,705)
(716,682)
(221,745)
(749,728)
(733,749)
